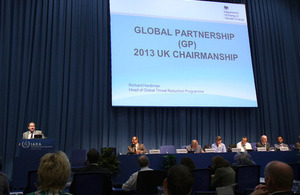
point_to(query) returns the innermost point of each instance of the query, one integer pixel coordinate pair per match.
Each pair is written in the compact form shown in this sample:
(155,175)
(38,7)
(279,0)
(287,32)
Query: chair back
(247,177)
(201,180)
(32,182)
(226,190)
(292,147)
(90,183)
(78,158)
(148,181)
(253,145)
(230,146)
(296,170)
(183,147)
(167,149)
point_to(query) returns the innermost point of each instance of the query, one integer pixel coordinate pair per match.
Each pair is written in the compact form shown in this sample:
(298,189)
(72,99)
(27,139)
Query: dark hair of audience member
(143,161)
(219,161)
(93,155)
(180,180)
(188,162)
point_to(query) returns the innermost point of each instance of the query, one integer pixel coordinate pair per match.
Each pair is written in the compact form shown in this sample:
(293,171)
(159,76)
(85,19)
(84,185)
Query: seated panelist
(32,132)
(244,145)
(218,145)
(136,147)
(263,142)
(280,144)
(194,147)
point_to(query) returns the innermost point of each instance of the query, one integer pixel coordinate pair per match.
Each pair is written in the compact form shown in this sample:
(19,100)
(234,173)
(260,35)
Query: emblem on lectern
(25,144)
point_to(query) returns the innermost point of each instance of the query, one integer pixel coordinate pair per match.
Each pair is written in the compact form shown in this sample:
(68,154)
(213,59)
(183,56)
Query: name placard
(261,149)
(236,149)
(284,149)
(154,151)
(181,151)
(210,150)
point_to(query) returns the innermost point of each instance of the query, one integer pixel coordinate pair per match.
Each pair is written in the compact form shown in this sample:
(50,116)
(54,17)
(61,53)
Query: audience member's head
(143,161)
(54,171)
(278,176)
(188,162)
(218,140)
(93,156)
(219,161)
(264,139)
(179,181)
(279,140)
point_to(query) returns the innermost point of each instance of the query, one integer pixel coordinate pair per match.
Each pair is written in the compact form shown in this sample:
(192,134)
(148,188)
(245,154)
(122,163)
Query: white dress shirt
(29,135)
(247,146)
(131,182)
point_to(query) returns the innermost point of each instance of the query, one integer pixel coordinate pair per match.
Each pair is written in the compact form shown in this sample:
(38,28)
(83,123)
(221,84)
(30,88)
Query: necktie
(31,135)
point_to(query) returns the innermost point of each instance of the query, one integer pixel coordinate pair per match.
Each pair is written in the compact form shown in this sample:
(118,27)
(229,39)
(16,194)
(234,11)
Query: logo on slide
(232,14)
(25,144)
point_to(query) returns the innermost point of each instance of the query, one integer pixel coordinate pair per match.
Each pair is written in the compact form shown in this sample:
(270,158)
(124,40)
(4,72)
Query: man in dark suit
(263,142)
(278,178)
(136,147)
(280,144)
(93,158)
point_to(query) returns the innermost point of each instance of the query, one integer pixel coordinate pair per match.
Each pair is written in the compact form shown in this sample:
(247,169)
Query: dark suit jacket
(259,144)
(94,168)
(277,146)
(141,147)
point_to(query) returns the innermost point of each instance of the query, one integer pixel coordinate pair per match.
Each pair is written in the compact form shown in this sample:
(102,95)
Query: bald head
(263,139)
(278,176)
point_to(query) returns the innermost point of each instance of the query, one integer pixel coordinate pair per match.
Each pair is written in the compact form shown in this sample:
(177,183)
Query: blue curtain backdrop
(55,71)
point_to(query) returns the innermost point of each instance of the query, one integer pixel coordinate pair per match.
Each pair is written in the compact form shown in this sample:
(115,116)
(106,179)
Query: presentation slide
(180,53)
